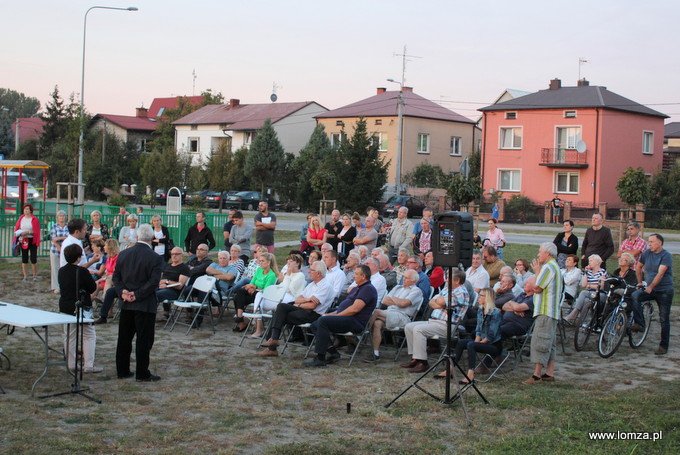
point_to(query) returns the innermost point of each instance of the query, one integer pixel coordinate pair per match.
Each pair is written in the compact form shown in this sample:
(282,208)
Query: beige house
(431,133)
(136,130)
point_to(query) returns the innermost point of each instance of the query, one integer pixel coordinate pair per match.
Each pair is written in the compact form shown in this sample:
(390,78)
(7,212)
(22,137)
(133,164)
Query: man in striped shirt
(548,292)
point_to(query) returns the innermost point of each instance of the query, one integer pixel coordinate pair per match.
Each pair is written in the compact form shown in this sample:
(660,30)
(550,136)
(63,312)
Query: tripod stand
(451,366)
(79,363)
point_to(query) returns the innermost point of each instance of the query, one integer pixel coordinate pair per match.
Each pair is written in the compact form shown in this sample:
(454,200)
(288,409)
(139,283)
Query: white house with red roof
(126,128)
(235,125)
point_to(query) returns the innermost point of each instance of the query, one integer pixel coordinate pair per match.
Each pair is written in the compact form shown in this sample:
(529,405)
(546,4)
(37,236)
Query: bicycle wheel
(612,334)
(635,339)
(584,327)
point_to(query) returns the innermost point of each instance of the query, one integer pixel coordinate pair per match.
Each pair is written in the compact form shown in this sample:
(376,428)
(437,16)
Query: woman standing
(566,243)
(58,234)
(27,233)
(495,237)
(161,238)
(346,235)
(316,235)
(128,235)
(96,230)
(265,276)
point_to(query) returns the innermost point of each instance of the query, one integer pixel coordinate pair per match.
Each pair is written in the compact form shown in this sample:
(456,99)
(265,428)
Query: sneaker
(660,350)
(36,278)
(372,358)
(315,362)
(93,370)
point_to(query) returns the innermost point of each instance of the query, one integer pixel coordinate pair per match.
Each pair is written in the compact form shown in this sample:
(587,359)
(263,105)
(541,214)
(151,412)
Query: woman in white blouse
(293,282)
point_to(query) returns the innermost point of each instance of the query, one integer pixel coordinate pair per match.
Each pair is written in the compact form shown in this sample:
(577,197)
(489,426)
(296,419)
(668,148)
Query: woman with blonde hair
(96,230)
(487,334)
(591,282)
(265,276)
(128,234)
(316,235)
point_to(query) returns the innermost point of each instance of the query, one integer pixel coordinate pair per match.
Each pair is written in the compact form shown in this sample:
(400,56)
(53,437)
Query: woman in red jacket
(27,232)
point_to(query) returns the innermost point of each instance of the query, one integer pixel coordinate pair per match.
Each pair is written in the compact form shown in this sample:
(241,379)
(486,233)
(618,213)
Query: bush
(520,209)
(116,199)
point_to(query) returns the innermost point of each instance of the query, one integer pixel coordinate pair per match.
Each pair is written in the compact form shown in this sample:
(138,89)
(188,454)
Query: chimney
(233,103)
(555,84)
(408,89)
(381,90)
(141,112)
(583,82)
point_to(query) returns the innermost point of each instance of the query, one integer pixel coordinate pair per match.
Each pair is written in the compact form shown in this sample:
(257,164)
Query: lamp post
(81,142)
(400,128)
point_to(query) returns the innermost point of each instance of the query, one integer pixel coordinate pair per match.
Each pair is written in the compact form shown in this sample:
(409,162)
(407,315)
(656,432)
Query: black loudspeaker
(452,239)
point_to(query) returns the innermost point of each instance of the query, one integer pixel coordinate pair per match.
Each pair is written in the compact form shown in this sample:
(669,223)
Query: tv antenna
(404,58)
(193,90)
(581,61)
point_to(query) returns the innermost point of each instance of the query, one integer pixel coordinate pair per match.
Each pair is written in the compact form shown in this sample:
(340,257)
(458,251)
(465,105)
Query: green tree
(665,191)
(634,186)
(266,159)
(164,169)
(17,104)
(360,172)
(426,175)
(310,158)
(121,163)
(289,179)
(237,173)
(197,178)
(463,190)
(475,163)
(6,133)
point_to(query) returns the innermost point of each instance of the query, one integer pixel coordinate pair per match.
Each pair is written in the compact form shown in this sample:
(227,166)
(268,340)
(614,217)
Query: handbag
(16,247)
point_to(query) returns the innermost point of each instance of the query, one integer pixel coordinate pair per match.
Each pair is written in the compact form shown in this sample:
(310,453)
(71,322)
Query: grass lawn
(217,397)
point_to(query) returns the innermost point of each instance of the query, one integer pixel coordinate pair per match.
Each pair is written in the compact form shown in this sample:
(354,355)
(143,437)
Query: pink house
(571,141)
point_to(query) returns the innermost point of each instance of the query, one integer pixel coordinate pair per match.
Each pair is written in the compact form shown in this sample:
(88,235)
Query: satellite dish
(581,146)
(273,97)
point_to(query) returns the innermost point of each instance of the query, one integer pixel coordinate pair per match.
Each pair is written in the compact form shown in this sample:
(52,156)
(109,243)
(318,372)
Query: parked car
(212,198)
(32,194)
(415,206)
(246,200)
(162,196)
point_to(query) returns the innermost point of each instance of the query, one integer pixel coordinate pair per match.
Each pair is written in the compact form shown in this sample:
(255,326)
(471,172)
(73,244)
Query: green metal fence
(177,225)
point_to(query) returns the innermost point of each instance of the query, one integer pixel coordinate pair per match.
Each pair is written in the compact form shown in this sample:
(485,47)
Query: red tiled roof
(170,103)
(242,116)
(385,105)
(29,128)
(129,122)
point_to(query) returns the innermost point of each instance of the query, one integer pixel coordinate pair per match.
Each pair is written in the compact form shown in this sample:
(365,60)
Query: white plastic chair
(275,294)
(204,284)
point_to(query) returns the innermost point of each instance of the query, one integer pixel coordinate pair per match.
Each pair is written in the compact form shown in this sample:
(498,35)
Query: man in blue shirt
(351,316)
(657,265)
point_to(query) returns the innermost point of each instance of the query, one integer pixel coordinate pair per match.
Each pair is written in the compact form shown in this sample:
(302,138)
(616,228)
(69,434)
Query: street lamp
(81,143)
(400,127)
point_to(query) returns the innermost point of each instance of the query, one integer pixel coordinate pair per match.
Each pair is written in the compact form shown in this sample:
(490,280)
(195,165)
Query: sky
(464,54)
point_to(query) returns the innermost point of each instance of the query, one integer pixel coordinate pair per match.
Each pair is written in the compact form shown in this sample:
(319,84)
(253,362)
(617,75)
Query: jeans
(664,299)
(109,298)
(473,348)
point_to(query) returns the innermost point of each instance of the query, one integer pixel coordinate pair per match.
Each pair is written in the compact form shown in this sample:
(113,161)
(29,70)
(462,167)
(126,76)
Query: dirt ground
(218,397)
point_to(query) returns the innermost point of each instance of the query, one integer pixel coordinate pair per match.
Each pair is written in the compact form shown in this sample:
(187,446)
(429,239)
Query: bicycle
(591,320)
(619,323)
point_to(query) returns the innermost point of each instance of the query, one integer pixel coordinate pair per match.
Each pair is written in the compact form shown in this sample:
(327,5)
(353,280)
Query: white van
(32,194)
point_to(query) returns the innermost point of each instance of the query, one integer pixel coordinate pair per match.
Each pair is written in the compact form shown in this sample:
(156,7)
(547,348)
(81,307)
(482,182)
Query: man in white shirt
(307,307)
(335,276)
(477,275)
(402,302)
(76,234)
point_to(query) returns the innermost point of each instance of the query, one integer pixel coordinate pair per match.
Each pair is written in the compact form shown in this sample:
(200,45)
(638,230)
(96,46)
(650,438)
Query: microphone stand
(78,373)
(451,366)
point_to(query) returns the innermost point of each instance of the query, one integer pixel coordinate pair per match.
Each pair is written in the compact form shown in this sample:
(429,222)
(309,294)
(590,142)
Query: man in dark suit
(136,278)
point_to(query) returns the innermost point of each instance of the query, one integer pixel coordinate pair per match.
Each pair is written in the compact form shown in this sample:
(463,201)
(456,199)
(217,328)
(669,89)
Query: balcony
(563,158)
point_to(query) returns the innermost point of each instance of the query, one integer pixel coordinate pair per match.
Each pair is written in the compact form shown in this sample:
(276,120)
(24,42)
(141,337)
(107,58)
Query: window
(193,145)
(456,146)
(142,145)
(337,138)
(249,136)
(509,180)
(569,114)
(378,121)
(566,182)
(511,115)
(194,127)
(381,140)
(568,137)
(511,138)
(423,143)
(339,123)
(648,142)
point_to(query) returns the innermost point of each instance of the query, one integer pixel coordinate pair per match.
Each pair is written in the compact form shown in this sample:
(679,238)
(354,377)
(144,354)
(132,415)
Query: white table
(32,318)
